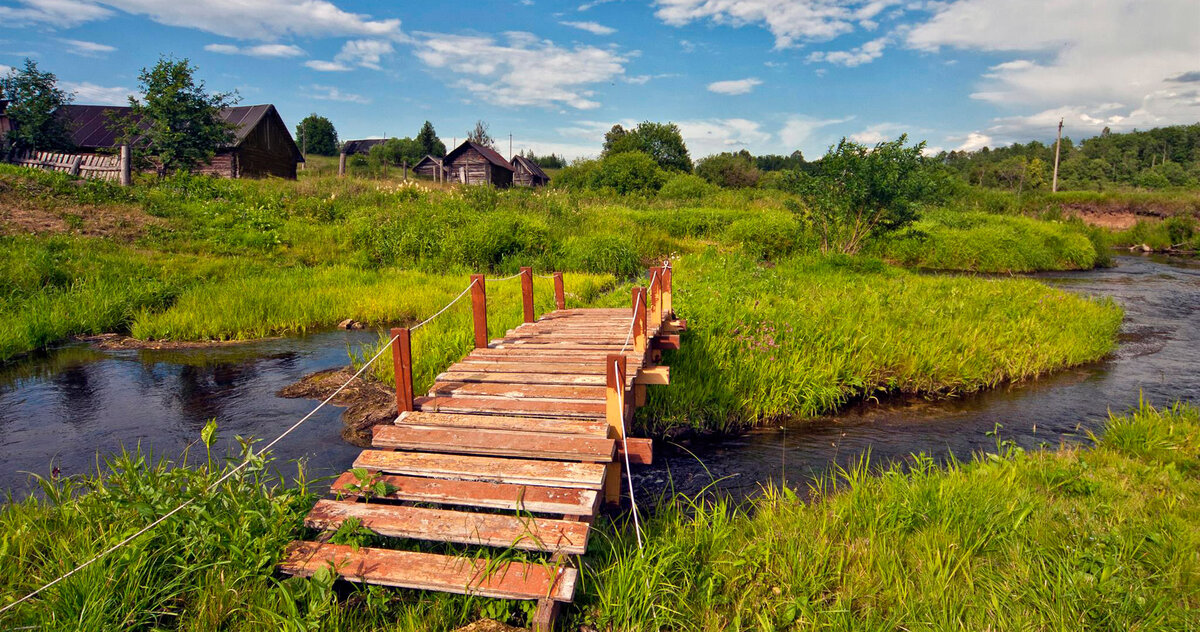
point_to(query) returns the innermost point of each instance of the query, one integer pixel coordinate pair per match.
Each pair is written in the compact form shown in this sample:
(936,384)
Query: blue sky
(770,76)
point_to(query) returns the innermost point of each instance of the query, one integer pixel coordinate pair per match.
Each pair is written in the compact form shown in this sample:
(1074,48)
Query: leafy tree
(628,172)
(661,141)
(857,192)
(481,134)
(316,135)
(729,170)
(179,123)
(775,162)
(549,161)
(34,97)
(430,143)
(396,151)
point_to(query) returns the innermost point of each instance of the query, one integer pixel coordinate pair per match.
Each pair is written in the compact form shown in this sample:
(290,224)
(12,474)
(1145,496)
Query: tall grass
(809,334)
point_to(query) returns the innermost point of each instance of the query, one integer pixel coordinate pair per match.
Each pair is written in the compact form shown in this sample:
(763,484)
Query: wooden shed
(361,146)
(262,145)
(431,168)
(527,173)
(472,163)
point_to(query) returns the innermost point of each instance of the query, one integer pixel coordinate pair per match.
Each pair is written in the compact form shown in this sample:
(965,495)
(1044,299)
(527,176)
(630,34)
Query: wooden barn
(472,163)
(262,145)
(527,173)
(361,146)
(431,168)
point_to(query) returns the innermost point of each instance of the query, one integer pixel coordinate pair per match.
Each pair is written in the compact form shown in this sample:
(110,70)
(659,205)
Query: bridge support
(402,363)
(527,293)
(614,413)
(479,309)
(560,296)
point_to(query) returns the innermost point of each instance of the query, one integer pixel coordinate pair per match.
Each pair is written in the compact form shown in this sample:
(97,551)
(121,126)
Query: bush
(578,176)
(767,236)
(734,171)
(684,186)
(629,172)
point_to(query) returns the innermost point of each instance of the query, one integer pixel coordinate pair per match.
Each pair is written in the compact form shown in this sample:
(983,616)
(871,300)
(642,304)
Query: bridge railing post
(527,293)
(560,295)
(639,319)
(614,413)
(667,309)
(479,310)
(402,364)
(654,301)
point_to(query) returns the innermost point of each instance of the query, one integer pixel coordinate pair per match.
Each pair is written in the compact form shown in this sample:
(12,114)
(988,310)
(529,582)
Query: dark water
(62,409)
(1158,356)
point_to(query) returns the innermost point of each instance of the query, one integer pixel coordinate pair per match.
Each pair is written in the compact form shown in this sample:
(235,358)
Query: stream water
(61,409)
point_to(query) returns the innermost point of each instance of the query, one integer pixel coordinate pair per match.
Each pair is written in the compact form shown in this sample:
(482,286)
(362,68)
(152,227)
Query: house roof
(530,166)
(428,158)
(487,152)
(90,127)
(361,146)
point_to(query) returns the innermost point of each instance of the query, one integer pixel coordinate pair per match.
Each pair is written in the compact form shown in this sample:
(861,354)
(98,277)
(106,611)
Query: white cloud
(60,13)
(705,137)
(591,27)
(792,23)
(262,50)
(4,70)
(87,49)
(868,52)
(523,71)
(89,93)
(799,131)
(878,133)
(594,3)
(972,141)
(326,66)
(333,93)
(735,86)
(1096,62)
(365,53)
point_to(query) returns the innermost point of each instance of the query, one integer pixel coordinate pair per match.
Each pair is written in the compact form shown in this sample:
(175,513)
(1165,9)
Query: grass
(1077,538)
(1174,233)
(807,335)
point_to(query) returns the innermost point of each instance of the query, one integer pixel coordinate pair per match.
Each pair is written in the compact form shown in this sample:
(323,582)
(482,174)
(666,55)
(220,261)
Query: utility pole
(510,154)
(1057,147)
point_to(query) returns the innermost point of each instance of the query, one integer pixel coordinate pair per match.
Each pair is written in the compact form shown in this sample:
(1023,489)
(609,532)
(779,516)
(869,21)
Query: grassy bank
(807,335)
(1099,538)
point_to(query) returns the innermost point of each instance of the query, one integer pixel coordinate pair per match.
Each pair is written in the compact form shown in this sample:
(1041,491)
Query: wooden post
(126,174)
(76,163)
(639,319)
(402,362)
(1057,145)
(560,295)
(527,293)
(667,309)
(614,413)
(654,301)
(342,164)
(479,310)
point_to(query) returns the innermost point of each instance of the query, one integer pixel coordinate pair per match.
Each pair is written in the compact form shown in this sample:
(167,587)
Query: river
(63,408)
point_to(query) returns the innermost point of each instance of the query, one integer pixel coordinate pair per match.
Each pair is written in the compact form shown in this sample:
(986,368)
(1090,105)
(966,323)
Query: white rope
(637,527)
(507,278)
(235,470)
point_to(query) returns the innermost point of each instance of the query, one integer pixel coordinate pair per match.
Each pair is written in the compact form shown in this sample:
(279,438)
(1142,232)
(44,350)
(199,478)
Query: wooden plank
(503,406)
(654,376)
(641,451)
(667,342)
(529,498)
(426,571)
(521,378)
(554,425)
(480,468)
(460,527)
(493,442)
(517,391)
(548,356)
(529,367)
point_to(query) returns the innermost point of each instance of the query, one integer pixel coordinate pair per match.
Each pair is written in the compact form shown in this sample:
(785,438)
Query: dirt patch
(368,404)
(489,625)
(1111,220)
(117,342)
(120,223)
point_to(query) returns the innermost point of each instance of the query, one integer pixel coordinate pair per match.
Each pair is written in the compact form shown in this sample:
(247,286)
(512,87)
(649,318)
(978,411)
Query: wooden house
(527,173)
(431,168)
(362,146)
(262,145)
(472,163)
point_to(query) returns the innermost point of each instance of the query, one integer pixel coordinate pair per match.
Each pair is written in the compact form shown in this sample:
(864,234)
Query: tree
(856,192)
(729,170)
(396,151)
(34,97)
(661,141)
(179,123)
(316,135)
(481,135)
(430,143)
(628,172)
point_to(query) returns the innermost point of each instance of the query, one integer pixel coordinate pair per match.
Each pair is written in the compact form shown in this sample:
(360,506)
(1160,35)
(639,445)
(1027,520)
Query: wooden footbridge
(514,447)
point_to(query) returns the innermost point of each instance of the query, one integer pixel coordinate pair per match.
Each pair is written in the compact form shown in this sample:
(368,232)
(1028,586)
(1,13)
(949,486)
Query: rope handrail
(249,458)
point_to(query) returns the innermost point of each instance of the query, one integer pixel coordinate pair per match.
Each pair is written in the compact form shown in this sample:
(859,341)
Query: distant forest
(1160,158)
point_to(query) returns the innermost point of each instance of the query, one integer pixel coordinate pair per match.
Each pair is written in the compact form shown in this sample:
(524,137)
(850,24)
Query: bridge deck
(514,447)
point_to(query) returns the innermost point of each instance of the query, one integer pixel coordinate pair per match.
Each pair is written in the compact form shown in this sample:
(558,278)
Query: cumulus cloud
(879,133)
(799,131)
(735,86)
(326,66)
(591,27)
(522,70)
(262,50)
(361,53)
(857,56)
(792,23)
(705,137)
(333,93)
(93,94)
(972,141)
(84,48)
(60,13)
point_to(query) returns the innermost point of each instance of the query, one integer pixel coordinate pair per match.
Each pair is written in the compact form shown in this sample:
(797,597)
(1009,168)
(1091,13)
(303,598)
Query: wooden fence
(90,166)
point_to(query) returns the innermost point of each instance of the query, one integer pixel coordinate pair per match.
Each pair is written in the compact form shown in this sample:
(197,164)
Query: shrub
(578,176)
(765,236)
(629,172)
(684,186)
(729,170)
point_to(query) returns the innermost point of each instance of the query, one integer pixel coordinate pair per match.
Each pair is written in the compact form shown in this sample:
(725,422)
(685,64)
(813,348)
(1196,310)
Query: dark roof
(361,146)
(90,127)
(485,151)
(530,166)
(427,157)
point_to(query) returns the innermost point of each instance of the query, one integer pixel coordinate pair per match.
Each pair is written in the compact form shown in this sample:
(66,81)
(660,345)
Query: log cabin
(473,163)
(262,145)
(361,146)
(430,167)
(527,173)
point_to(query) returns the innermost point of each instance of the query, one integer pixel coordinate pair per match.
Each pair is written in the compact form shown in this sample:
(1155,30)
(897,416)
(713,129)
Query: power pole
(510,154)
(1057,146)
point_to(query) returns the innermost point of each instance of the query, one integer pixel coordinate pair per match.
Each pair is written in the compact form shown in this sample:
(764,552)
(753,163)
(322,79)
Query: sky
(770,76)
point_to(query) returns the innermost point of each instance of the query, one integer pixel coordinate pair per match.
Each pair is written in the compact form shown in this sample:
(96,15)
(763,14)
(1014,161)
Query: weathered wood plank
(479,468)
(641,451)
(492,442)
(521,378)
(517,391)
(502,406)
(555,425)
(426,571)
(529,498)
(444,525)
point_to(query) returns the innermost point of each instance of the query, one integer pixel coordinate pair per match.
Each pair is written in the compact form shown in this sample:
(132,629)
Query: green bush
(629,172)
(685,186)
(767,236)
